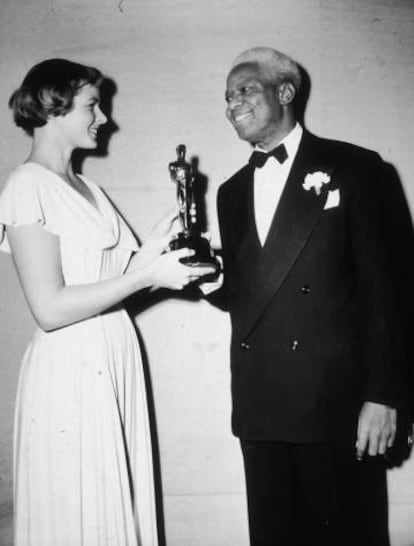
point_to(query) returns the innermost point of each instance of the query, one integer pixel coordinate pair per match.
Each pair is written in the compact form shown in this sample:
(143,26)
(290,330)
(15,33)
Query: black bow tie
(258,159)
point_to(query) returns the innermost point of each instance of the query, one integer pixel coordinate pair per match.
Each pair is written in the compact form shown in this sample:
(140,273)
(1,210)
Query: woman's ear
(287,93)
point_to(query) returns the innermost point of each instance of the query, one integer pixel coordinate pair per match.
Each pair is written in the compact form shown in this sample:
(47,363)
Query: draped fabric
(82,453)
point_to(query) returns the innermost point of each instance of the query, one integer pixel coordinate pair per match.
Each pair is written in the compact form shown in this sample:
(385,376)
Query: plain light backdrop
(169,60)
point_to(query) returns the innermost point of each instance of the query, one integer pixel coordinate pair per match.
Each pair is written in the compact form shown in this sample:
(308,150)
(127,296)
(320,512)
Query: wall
(169,60)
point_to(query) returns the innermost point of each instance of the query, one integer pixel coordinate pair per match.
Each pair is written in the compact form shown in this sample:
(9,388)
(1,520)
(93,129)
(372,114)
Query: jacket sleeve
(376,272)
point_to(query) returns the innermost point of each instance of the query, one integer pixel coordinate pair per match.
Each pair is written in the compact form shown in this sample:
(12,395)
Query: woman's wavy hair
(48,90)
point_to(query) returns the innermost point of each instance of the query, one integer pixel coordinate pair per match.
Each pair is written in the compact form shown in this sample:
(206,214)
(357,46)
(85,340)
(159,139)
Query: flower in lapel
(316,180)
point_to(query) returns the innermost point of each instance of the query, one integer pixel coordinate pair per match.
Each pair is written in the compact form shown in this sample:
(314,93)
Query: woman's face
(79,127)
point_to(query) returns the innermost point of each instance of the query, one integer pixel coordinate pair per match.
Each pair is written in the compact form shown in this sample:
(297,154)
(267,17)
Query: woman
(83,466)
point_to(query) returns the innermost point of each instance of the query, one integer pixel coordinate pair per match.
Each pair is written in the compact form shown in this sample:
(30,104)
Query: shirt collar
(291,141)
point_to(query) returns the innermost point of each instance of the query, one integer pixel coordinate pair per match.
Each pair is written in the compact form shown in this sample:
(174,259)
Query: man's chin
(243,134)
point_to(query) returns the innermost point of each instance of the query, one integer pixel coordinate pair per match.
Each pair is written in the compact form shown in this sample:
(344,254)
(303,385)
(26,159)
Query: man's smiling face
(253,106)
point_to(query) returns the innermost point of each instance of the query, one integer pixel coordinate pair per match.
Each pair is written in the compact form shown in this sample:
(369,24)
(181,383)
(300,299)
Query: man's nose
(235,99)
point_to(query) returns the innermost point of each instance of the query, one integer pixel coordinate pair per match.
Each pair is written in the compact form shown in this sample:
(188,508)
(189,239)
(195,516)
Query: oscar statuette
(182,174)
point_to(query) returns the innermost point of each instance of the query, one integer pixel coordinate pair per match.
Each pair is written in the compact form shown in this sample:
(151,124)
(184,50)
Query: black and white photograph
(206,273)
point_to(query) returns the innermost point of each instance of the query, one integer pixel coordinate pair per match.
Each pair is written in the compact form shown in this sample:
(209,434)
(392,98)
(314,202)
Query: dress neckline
(95,207)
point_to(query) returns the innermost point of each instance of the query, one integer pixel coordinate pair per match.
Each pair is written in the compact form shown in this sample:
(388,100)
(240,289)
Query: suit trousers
(314,495)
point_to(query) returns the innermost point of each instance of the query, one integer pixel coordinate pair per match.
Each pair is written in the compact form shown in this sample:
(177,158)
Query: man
(308,277)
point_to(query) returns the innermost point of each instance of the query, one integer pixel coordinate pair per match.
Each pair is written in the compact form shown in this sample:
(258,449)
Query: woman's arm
(157,241)
(36,253)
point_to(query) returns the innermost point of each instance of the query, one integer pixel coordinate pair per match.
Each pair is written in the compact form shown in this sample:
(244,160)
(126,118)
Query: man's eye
(245,90)
(241,92)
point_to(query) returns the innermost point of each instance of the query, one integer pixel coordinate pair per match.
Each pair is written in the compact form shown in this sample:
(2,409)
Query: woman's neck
(49,153)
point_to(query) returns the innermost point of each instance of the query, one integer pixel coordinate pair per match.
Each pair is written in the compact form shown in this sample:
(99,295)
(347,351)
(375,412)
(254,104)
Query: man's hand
(377,426)
(208,287)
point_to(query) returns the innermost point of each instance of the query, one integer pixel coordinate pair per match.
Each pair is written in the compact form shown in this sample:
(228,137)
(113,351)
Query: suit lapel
(239,209)
(294,220)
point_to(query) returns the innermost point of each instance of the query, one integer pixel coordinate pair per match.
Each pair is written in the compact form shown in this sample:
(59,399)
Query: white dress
(82,452)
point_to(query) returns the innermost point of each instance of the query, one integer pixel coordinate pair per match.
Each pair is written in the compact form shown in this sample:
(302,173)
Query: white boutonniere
(316,180)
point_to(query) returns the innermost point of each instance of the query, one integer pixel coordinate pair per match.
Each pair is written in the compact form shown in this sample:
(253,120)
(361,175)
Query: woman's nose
(101,118)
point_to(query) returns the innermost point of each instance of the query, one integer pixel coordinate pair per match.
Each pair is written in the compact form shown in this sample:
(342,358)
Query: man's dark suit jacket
(314,314)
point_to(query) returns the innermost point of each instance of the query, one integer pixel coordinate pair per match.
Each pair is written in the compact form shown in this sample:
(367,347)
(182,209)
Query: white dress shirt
(269,182)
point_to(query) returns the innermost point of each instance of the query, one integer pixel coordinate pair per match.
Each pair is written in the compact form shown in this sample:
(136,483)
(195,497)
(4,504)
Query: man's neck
(274,140)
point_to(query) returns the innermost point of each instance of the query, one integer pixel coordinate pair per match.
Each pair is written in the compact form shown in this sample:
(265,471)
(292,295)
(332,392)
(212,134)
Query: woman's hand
(37,257)
(167,271)
(165,227)
(157,241)
(160,266)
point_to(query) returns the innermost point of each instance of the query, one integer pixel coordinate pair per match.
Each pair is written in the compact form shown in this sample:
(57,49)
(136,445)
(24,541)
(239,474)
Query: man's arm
(377,275)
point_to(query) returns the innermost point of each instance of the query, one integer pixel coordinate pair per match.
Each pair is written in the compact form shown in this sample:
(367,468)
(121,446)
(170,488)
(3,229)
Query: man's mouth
(241,118)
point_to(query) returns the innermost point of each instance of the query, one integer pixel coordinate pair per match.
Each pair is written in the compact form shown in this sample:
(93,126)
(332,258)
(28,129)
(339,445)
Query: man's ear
(287,93)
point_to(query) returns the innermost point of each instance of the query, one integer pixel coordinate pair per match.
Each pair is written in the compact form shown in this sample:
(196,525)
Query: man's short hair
(278,67)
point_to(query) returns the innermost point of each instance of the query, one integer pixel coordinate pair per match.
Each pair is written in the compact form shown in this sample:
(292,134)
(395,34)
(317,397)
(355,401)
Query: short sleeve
(20,204)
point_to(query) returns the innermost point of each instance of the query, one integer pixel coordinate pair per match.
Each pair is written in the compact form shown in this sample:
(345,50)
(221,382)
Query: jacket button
(294,345)
(305,289)
(245,345)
